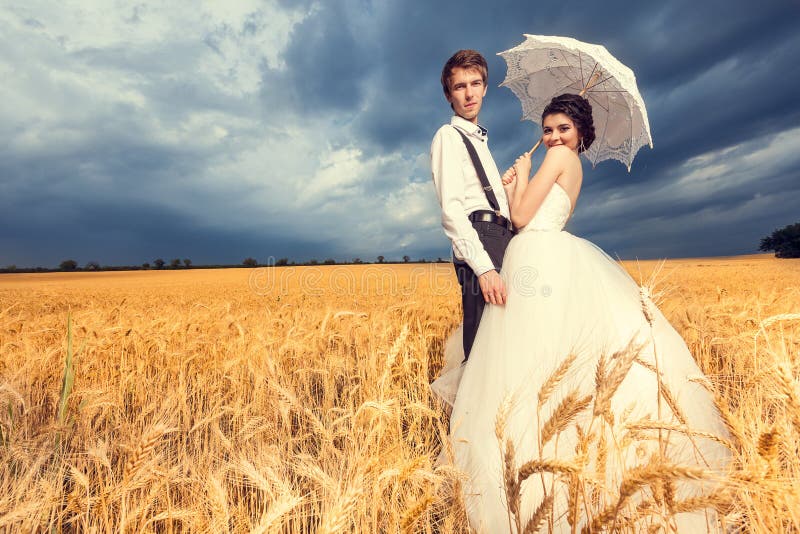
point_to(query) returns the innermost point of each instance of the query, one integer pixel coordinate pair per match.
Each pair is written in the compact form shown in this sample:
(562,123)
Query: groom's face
(467,90)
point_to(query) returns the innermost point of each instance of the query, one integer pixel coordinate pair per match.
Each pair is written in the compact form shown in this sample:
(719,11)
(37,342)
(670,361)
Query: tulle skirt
(567,371)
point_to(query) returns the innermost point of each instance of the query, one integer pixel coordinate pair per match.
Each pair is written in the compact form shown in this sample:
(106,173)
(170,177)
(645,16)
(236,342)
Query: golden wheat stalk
(413,514)
(717,500)
(633,481)
(139,457)
(612,379)
(194,360)
(566,411)
(769,321)
(601,463)
(768,443)
(791,390)
(511,482)
(217,499)
(338,517)
(542,512)
(555,378)
(547,466)
(501,419)
(683,429)
(274,518)
(510,486)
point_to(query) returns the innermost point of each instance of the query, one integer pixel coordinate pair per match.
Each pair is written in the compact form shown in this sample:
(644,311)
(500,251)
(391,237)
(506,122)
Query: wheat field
(296,399)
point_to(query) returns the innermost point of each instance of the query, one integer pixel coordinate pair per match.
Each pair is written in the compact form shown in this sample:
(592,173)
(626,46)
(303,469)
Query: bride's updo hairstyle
(579,110)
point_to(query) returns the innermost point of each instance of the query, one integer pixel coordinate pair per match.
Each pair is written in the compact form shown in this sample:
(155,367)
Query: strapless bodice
(554,212)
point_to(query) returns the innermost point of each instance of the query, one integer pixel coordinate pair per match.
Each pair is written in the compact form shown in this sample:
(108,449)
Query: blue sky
(216,131)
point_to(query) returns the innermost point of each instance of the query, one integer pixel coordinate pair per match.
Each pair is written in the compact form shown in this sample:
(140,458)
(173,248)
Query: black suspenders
(476,162)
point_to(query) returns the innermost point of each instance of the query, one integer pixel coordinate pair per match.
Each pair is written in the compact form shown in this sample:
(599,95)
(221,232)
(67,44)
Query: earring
(582,148)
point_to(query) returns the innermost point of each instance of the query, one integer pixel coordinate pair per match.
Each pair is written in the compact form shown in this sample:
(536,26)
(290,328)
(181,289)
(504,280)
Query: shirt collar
(475,130)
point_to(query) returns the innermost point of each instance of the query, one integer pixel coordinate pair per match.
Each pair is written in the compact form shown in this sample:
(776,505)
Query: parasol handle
(531,151)
(590,83)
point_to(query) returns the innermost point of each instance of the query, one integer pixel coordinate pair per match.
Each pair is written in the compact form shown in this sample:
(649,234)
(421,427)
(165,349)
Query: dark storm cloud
(710,230)
(713,74)
(687,38)
(91,229)
(709,83)
(328,63)
(668,47)
(703,76)
(104,201)
(115,157)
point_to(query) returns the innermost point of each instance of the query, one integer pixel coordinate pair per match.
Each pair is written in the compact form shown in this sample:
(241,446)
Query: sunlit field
(296,399)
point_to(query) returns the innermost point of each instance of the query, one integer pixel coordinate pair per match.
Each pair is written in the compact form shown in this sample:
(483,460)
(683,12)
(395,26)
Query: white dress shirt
(460,191)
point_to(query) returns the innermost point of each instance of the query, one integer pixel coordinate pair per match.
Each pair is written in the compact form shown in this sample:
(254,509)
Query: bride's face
(558,129)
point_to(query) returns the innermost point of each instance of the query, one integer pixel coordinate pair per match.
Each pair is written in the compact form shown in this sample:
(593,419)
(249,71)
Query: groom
(475,213)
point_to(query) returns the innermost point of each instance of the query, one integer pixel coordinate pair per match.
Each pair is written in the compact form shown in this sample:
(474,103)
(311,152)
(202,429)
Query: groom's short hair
(466,59)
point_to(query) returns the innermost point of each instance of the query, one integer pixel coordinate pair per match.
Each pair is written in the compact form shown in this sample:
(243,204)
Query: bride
(559,418)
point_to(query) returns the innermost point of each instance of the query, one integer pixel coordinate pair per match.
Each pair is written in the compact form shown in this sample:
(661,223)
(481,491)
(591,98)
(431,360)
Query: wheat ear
(542,511)
(507,450)
(144,450)
(547,466)
(567,410)
(633,481)
(555,378)
(338,517)
(790,389)
(768,444)
(613,378)
(683,429)
(412,515)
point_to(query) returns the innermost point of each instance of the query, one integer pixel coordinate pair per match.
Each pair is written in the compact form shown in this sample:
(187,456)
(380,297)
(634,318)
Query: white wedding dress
(567,297)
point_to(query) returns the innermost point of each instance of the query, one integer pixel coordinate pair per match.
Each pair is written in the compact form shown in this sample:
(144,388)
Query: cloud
(302,128)
(724,200)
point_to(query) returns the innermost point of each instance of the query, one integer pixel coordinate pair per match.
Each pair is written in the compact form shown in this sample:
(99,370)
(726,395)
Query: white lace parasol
(546,66)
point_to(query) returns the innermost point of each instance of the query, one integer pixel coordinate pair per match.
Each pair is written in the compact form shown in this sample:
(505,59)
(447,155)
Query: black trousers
(495,239)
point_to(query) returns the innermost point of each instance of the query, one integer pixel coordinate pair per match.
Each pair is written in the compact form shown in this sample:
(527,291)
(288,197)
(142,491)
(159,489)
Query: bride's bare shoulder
(562,156)
(559,151)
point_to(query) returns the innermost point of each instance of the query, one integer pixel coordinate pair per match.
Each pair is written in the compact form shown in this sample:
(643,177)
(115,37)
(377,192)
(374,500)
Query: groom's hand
(493,288)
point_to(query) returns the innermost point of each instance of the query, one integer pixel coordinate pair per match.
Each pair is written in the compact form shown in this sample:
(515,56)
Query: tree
(329,261)
(159,263)
(145,265)
(68,265)
(92,266)
(784,241)
(357,260)
(313,262)
(175,263)
(380,259)
(406,259)
(281,262)
(187,262)
(11,268)
(250,262)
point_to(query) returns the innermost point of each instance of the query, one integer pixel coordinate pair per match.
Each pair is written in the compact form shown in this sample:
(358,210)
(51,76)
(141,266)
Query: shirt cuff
(482,264)
(477,273)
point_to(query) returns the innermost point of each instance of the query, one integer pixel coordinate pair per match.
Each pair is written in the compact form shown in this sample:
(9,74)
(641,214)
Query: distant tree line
(70,265)
(784,241)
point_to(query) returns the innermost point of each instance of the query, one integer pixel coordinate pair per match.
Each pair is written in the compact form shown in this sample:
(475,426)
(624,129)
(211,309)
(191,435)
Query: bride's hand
(509,177)
(523,165)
